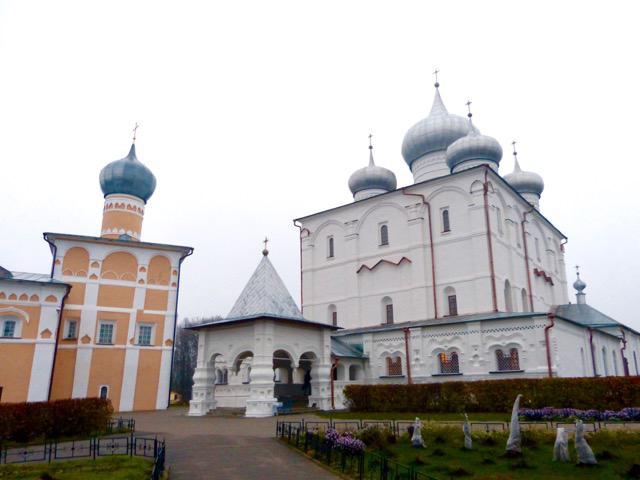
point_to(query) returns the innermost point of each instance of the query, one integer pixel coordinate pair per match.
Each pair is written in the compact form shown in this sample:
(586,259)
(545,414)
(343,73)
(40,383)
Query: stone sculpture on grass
(583,450)
(561,447)
(466,429)
(416,438)
(514,443)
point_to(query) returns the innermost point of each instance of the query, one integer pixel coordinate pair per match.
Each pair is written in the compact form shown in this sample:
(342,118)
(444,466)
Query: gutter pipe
(407,334)
(551,316)
(433,257)
(625,363)
(485,193)
(175,321)
(593,353)
(334,366)
(526,256)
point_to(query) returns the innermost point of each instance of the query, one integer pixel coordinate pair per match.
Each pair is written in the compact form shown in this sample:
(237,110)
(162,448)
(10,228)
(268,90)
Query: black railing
(91,448)
(365,465)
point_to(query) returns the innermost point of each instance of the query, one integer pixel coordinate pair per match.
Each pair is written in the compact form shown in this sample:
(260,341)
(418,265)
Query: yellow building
(102,324)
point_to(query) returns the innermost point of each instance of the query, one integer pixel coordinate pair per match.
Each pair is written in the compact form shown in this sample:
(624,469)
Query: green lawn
(106,468)
(444,456)
(434,417)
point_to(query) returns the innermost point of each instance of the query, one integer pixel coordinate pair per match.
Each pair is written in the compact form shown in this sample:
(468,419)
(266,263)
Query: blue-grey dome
(473,147)
(579,284)
(434,133)
(525,182)
(372,177)
(128,176)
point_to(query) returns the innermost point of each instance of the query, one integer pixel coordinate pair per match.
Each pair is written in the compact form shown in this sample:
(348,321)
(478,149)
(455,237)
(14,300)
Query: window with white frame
(446,222)
(10,327)
(106,332)
(145,334)
(71,329)
(104,392)
(330,247)
(384,234)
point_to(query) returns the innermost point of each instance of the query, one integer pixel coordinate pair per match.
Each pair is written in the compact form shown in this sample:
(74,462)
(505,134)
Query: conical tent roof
(265,295)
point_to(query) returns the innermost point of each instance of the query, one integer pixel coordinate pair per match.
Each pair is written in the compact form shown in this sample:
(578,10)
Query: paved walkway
(222,448)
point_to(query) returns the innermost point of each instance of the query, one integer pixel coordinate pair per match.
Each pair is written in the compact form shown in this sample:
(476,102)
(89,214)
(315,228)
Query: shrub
(601,393)
(24,422)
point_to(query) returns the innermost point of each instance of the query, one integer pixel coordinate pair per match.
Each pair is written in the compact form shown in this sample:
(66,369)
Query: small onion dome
(372,177)
(128,176)
(434,133)
(525,182)
(579,285)
(474,147)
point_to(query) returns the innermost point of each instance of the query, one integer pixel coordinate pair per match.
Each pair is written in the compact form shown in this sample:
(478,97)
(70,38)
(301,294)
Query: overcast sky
(255,113)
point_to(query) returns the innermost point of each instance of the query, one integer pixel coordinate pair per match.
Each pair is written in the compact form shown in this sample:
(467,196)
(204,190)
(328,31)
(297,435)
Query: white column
(203,394)
(261,399)
(321,376)
(131,356)
(41,371)
(162,400)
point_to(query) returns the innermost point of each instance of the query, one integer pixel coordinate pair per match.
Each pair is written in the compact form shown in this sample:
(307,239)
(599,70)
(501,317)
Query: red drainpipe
(625,364)
(407,333)
(593,353)
(334,366)
(494,295)
(526,255)
(433,256)
(551,316)
(300,236)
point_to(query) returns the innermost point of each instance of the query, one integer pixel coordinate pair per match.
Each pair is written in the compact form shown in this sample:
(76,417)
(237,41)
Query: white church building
(458,276)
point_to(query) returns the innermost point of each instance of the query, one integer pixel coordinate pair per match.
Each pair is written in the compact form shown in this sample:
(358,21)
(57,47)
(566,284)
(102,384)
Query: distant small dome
(372,177)
(434,133)
(473,147)
(128,176)
(579,285)
(525,182)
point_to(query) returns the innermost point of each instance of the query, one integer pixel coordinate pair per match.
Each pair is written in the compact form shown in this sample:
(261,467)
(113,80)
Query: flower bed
(345,441)
(550,413)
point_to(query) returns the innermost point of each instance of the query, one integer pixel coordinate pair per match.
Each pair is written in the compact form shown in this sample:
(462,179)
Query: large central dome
(434,133)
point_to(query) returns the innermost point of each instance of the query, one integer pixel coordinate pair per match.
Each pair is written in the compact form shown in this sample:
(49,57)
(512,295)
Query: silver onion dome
(525,182)
(372,177)
(434,133)
(128,176)
(473,147)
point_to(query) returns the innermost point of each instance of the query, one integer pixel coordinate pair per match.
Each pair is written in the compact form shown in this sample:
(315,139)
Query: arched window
(394,366)
(387,310)
(508,362)
(449,363)
(604,361)
(384,235)
(446,224)
(104,392)
(333,315)
(615,362)
(508,303)
(355,372)
(330,248)
(584,364)
(451,301)
(225,376)
(525,300)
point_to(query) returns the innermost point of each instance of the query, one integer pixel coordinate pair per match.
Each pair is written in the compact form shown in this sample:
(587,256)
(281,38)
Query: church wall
(27,357)
(115,288)
(461,255)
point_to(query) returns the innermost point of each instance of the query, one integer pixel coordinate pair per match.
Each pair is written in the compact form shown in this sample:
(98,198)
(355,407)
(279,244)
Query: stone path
(221,448)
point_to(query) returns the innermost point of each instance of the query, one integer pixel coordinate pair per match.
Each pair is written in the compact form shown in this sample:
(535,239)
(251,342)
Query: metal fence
(363,466)
(91,448)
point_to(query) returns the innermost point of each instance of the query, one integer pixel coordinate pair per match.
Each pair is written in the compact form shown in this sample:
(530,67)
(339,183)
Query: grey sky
(254,113)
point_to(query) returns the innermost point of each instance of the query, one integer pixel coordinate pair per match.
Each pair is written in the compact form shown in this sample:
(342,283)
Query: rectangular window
(105,333)
(389,313)
(9,328)
(453,305)
(144,334)
(446,223)
(72,329)
(330,247)
(394,366)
